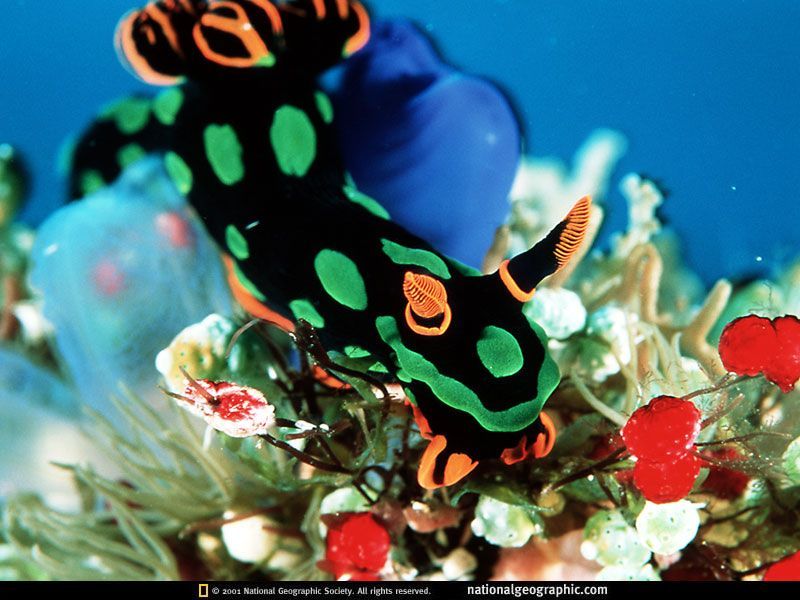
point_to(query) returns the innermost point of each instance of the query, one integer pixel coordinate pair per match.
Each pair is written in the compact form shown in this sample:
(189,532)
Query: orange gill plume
(427,299)
(523,273)
(229,17)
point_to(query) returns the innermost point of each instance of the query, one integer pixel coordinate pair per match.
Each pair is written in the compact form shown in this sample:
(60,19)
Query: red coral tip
(746,343)
(357,547)
(667,481)
(663,430)
(752,345)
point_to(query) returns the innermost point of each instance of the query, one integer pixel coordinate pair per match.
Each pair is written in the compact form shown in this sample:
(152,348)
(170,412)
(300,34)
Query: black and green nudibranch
(248,137)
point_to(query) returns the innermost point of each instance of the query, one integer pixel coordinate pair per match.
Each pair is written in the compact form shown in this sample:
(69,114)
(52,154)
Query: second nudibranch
(248,138)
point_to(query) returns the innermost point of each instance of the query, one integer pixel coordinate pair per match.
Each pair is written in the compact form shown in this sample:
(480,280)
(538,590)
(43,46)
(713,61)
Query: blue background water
(708,94)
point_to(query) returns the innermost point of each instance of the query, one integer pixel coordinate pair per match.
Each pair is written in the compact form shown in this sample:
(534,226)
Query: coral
(751,345)
(503,524)
(357,546)
(612,542)
(668,528)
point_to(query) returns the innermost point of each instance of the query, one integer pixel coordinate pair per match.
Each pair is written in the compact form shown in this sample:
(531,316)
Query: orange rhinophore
(522,274)
(577,221)
(427,299)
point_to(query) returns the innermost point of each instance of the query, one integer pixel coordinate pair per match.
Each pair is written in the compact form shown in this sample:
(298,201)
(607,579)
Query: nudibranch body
(249,139)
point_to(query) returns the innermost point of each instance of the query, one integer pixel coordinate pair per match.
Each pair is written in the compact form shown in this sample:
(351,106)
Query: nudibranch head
(476,367)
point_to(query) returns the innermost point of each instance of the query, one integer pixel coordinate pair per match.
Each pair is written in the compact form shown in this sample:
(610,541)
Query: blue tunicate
(438,149)
(121,273)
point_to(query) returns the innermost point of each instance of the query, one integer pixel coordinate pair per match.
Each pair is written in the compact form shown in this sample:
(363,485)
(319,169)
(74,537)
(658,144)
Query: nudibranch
(248,137)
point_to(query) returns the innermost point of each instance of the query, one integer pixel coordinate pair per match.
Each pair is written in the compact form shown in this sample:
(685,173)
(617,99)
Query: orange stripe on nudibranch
(154,12)
(249,302)
(273,14)
(577,222)
(545,441)
(457,467)
(518,453)
(240,27)
(185,5)
(421,421)
(319,7)
(129,54)
(343,7)
(540,448)
(427,299)
(512,285)
(361,37)
(447,318)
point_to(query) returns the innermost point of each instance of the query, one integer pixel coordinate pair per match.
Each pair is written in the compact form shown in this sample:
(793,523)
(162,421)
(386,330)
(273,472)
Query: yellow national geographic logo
(202,590)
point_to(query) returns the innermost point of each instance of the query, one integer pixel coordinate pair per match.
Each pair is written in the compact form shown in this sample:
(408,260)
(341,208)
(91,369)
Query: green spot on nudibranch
(341,279)
(324,107)
(91,181)
(499,352)
(236,242)
(127,155)
(457,395)
(247,284)
(130,115)
(365,201)
(378,367)
(294,140)
(356,352)
(224,153)
(179,172)
(413,256)
(167,105)
(303,309)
